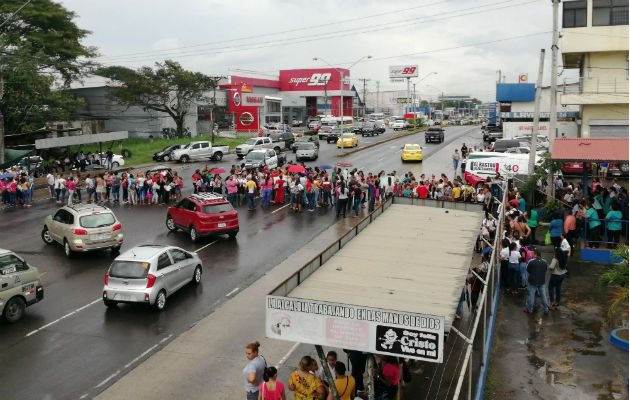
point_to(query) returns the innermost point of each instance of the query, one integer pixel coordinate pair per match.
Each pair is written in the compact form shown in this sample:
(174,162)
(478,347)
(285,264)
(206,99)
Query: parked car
(305,139)
(501,145)
(314,125)
(117,161)
(83,227)
(224,124)
(202,150)
(149,274)
(492,133)
(307,151)
(166,154)
(282,138)
(296,122)
(20,286)
(348,140)
(434,134)
(260,158)
(203,214)
(34,164)
(411,152)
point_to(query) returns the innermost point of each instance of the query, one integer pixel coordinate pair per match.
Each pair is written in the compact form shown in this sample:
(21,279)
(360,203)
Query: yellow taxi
(411,152)
(349,140)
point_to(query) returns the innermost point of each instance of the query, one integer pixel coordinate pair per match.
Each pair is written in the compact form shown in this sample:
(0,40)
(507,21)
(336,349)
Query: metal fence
(597,85)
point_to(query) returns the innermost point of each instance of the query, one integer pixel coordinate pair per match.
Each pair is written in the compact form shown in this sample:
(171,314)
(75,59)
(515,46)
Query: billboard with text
(403,71)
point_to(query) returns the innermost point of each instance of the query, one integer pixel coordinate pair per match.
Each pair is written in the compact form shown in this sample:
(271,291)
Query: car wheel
(240,157)
(426,140)
(110,303)
(115,164)
(115,250)
(67,249)
(197,275)
(14,309)
(46,236)
(160,300)
(166,158)
(218,156)
(184,159)
(193,233)
(232,235)
(170,224)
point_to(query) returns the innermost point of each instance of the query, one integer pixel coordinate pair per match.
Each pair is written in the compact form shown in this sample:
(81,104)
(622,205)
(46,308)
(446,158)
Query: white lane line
(64,317)
(232,292)
(166,338)
(209,244)
(83,396)
(109,378)
(144,353)
(286,356)
(275,211)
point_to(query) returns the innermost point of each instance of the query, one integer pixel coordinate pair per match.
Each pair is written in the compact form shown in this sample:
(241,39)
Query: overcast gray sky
(465,41)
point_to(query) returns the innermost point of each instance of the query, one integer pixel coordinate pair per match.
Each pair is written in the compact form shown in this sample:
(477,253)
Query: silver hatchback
(149,274)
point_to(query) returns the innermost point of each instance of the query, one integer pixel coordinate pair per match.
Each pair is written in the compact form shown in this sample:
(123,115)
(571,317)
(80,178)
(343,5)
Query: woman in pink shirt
(271,389)
(232,189)
(71,186)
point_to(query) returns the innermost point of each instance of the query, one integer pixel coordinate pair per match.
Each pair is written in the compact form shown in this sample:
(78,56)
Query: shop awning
(590,149)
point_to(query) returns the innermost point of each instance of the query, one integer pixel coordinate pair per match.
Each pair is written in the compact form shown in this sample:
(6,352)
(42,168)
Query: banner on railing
(373,330)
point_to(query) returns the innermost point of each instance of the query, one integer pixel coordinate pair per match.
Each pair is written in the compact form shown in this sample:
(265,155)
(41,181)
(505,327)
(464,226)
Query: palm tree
(617,276)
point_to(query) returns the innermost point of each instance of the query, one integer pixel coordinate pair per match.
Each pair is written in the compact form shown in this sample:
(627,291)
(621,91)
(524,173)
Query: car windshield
(217,208)
(304,139)
(348,135)
(256,156)
(251,141)
(129,269)
(412,147)
(97,220)
(306,146)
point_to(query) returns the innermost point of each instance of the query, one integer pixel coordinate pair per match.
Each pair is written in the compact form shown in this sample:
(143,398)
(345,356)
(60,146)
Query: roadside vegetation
(616,278)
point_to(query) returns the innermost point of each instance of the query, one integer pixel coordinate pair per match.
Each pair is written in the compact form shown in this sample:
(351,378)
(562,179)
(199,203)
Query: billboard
(297,80)
(347,326)
(403,71)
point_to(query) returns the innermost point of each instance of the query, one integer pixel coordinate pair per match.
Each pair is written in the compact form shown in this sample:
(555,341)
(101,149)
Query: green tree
(168,88)
(40,54)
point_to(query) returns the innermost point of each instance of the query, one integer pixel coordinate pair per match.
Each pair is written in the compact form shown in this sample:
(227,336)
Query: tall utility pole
(378,96)
(532,147)
(1,117)
(364,93)
(413,104)
(553,104)
(408,94)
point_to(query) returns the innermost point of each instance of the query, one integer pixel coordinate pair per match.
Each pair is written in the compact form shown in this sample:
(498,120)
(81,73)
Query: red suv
(203,214)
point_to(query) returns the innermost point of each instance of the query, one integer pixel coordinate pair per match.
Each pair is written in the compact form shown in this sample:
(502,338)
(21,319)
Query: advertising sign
(252,99)
(522,78)
(312,79)
(403,71)
(246,119)
(373,330)
(236,99)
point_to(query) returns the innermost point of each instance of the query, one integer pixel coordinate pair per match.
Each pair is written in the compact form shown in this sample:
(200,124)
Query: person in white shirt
(331,359)
(565,251)
(50,179)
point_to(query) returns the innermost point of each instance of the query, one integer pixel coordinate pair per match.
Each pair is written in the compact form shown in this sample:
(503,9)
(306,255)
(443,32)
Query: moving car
(203,214)
(348,140)
(254,143)
(307,150)
(304,139)
(83,227)
(20,286)
(411,152)
(434,134)
(199,151)
(398,125)
(366,128)
(380,126)
(314,125)
(149,274)
(166,154)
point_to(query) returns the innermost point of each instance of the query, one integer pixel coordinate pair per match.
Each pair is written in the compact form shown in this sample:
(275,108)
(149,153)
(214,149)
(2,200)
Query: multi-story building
(595,41)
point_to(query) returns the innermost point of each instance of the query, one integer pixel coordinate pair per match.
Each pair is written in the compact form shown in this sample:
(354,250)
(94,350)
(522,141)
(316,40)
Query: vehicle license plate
(221,225)
(101,236)
(123,297)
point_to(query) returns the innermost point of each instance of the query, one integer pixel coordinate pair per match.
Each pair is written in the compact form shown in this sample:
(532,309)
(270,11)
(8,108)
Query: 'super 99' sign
(403,71)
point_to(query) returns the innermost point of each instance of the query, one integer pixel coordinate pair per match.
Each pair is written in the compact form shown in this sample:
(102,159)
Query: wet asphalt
(69,344)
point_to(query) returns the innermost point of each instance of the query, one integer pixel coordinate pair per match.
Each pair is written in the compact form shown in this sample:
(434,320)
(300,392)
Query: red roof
(590,149)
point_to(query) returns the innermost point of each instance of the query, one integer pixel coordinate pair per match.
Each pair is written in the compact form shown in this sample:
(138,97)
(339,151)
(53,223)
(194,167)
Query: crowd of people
(17,189)
(309,381)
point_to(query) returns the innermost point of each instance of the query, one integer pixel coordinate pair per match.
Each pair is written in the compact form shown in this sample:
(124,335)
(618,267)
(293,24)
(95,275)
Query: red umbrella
(344,164)
(296,168)
(218,171)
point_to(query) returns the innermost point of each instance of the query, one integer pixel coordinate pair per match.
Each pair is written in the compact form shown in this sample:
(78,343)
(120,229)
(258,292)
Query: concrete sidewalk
(564,355)
(207,361)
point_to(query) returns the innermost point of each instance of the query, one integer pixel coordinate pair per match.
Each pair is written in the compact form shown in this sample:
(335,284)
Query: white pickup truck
(258,143)
(200,151)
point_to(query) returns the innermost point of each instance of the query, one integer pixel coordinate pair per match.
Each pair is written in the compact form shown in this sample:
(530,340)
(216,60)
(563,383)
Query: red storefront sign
(297,80)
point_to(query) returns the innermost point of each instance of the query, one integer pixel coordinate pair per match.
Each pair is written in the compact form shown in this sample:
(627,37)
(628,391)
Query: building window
(574,14)
(273,106)
(610,12)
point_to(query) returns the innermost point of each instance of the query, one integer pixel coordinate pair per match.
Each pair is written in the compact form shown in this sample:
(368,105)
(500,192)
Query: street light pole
(341,87)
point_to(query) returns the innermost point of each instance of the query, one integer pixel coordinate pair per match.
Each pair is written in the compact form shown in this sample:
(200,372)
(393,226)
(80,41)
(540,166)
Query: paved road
(70,344)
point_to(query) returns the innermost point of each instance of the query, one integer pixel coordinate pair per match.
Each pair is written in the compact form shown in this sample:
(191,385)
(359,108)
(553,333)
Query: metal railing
(597,85)
(591,236)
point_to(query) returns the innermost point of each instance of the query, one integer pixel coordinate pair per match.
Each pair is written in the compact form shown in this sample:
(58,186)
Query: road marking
(64,317)
(286,356)
(144,353)
(43,273)
(83,396)
(209,244)
(275,211)
(109,378)
(232,292)
(166,338)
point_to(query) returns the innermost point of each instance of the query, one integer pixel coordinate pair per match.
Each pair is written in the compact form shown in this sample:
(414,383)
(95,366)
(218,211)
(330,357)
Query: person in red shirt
(422,190)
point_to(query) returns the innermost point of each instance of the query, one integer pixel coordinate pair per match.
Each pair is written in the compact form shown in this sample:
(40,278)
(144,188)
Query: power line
(6,21)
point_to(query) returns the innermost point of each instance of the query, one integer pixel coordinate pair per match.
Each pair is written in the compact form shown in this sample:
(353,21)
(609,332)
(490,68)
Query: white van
(481,165)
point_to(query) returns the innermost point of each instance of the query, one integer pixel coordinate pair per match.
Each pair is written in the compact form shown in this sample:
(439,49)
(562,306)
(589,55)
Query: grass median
(142,149)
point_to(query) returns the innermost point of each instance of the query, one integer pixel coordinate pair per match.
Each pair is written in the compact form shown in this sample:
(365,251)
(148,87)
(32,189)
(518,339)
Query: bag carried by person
(548,238)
